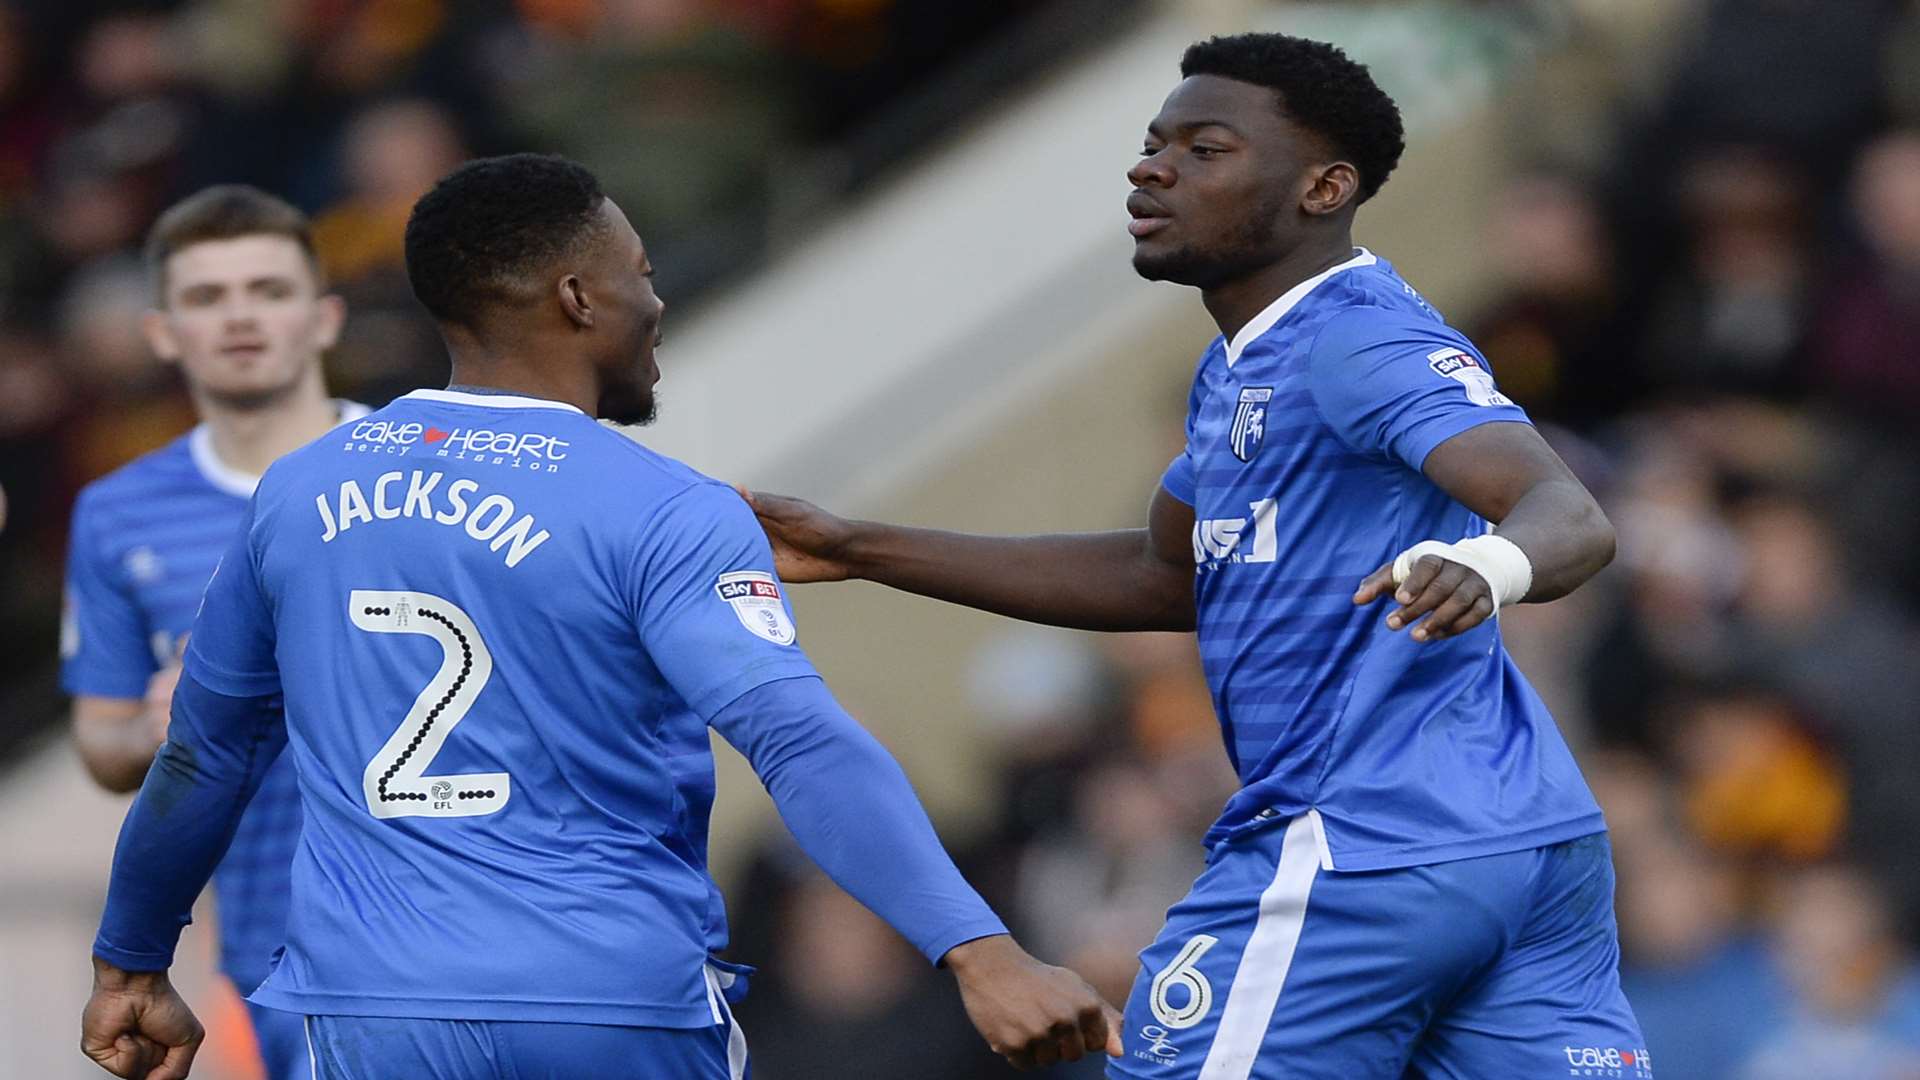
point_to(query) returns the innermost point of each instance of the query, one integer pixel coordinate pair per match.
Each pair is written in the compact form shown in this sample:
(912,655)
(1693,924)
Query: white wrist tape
(1508,571)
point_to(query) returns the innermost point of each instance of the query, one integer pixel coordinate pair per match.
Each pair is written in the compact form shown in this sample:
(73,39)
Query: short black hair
(1320,88)
(478,238)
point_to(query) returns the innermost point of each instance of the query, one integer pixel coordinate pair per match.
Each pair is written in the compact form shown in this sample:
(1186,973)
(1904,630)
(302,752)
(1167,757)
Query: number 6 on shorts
(1182,972)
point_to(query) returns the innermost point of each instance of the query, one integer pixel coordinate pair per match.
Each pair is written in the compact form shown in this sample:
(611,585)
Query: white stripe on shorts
(1269,953)
(717,982)
(313,1063)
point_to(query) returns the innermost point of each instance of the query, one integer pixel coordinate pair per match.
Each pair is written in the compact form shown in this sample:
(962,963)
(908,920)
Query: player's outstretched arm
(1507,474)
(853,812)
(1133,579)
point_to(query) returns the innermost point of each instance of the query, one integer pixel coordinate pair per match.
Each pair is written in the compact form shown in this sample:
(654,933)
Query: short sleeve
(708,607)
(1399,386)
(1179,479)
(231,650)
(105,647)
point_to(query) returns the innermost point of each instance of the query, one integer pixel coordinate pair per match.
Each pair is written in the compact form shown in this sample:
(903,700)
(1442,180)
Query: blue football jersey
(1306,435)
(145,538)
(500,630)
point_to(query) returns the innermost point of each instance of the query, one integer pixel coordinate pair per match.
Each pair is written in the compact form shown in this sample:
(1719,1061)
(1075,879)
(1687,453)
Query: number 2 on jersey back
(395,781)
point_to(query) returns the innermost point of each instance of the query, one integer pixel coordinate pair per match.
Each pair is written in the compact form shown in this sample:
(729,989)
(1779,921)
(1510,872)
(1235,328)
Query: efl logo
(1159,1049)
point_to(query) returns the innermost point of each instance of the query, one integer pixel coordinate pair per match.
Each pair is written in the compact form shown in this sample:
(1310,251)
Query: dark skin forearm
(1565,536)
(1087,581)
(1508,474)
(1133,579)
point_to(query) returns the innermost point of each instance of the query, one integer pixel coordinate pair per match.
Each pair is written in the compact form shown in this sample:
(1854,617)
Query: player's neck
(513,375)
(1234,304)
(249,440)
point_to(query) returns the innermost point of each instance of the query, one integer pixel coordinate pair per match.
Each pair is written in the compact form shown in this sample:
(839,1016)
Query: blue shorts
(1273,966)
(282,1039)
(383,1048)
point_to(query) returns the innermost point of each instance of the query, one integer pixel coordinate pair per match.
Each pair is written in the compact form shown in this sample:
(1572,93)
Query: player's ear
(1330,189)
(573,301)
(331,317)
(159,335)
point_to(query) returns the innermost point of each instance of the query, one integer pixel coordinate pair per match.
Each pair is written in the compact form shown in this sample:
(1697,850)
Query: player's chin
(1155,262)
(629,410)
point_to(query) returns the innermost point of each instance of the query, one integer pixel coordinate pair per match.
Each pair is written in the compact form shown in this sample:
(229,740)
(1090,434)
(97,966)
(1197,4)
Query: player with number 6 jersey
(491,633)
(1413,879)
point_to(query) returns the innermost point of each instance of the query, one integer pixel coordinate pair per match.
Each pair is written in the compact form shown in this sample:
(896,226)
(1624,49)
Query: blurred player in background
(483,624)
(1413,879)
(241,307)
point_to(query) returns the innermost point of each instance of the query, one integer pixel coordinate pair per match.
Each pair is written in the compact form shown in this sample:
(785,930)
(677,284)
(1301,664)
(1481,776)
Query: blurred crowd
(1713,311)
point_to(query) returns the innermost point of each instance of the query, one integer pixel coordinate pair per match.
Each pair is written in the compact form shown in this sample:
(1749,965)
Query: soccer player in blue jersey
(241,307)
(1413,879)
(491,634)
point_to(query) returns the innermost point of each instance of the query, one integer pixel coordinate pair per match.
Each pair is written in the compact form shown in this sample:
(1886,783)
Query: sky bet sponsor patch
(1461,367)
(755,598)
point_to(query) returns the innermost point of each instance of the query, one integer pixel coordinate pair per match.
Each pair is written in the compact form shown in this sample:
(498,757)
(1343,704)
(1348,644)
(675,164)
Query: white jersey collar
(490,401)
(1277,310)
(231,480)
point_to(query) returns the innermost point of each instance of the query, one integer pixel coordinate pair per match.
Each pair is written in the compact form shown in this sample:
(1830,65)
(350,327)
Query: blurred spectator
(1554,336)
(1856,1007)
(137,401)
(1755,782)
(1866,345)
(682,112)
(390,154)
(1702,987)
(1732,318)
(1678,567)
(1093,891)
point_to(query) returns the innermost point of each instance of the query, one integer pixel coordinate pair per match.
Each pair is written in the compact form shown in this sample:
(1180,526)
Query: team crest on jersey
(1460,366)
(754,596)
(1250,422)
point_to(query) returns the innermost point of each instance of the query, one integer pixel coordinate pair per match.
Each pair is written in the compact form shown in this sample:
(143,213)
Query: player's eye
(1149,151)
(1208,151)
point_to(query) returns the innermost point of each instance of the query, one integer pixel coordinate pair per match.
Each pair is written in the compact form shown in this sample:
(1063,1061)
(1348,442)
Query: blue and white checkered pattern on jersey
(1305,441)
(145,539)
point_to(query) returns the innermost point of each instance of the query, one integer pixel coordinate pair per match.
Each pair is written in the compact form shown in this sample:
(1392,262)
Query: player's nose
(1151,171)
